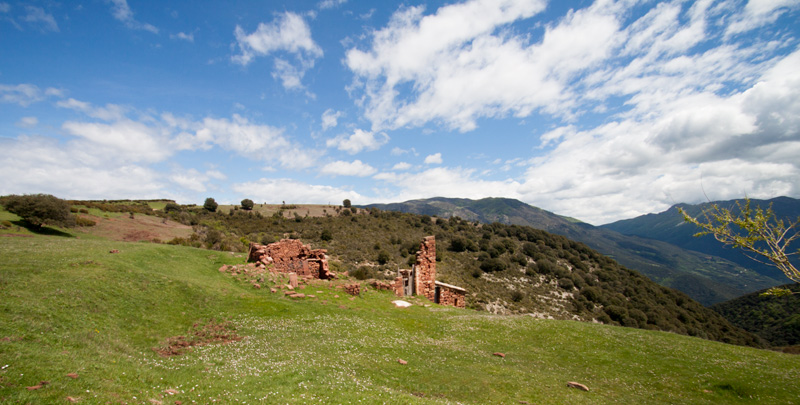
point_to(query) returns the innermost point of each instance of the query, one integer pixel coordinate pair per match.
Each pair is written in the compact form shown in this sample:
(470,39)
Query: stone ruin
(291,256)
(421,279)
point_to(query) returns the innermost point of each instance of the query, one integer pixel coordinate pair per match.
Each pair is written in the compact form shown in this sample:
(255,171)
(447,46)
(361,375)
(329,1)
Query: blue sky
(598,110)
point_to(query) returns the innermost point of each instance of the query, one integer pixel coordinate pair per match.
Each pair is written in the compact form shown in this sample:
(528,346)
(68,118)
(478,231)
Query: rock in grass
(573,384)
(72,375)
(401,361)
(498,354)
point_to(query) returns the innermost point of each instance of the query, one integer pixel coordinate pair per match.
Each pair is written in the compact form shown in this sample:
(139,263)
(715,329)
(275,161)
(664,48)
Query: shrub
(247,204)
(40,209)
(566,283)
(346,203)
(517,296)
(210,205)
(81,221)
(493,264)
(172,207)
(383,257)
(326,235)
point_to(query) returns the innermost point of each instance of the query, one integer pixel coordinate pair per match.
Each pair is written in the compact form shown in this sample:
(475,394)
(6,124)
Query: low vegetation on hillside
(506,269)
(81,324)
(775,319)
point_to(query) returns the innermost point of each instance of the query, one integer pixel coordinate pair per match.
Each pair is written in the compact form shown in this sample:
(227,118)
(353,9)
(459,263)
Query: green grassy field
(70,306)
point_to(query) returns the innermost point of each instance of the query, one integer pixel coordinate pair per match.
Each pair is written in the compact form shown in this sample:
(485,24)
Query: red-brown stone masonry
(397,287)
(425,268)
(291,256)
(452,297)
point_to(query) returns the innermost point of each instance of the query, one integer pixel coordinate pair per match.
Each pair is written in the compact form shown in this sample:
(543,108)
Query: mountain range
(660,246)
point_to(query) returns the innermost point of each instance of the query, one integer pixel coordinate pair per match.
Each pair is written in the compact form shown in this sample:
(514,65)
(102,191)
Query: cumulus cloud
(122,12)
(435,159)
(330,119)
(33,164)
(110,112)
(37,17)
(326,4)
(25,94)
(278,190)
(288,33)
(342,168)
(194,180)
(444,182)
(183,36)
(358,141)
(27,122)
(401,166)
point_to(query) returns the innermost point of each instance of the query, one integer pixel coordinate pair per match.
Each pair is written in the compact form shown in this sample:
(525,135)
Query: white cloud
(27,122)
(401,166)
(193,179)
(326,4)
(287,33)
(342,168)
(330,119)
(289,190)
(742,144)
(434,159)
(110,112)
(5,7)
(359,141)
(758,13)
(183,36)
(125,140)
(37,17)
(123,13)
(444,182)
(25,94)
(35,165)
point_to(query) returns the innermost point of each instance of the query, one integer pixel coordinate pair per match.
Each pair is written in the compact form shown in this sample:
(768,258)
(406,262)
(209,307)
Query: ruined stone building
(421,279)
(291,256)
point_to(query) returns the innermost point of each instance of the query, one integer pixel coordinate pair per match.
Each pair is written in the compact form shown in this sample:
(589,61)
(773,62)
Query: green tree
(210,205)
(40,209)
(346,203)
(758,232)
(247,204)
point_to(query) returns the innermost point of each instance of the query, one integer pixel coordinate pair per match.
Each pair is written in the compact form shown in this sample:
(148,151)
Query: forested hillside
(706,278)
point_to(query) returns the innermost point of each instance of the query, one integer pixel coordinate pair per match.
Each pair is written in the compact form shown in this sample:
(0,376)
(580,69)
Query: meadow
(89,323)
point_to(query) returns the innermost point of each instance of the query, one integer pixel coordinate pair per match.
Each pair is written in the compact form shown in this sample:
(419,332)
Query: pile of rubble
(291,256)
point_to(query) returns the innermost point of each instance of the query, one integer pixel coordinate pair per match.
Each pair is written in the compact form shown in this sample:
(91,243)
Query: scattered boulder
(498,354)
(401,304)
(353,289)
(401,361)
(113,251)
(72,375)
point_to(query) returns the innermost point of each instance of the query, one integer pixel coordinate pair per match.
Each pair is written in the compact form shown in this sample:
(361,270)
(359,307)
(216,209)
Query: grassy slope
(71,307)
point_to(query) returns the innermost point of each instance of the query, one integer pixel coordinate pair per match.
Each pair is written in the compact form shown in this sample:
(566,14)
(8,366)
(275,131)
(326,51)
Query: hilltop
(705,277)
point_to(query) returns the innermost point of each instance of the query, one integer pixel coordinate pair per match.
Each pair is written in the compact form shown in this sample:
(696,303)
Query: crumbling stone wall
(425,269)
(291,256)
(451,295)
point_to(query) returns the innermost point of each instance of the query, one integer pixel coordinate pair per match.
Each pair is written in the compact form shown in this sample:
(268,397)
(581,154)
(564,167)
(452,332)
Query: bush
(172,207)
(40,209)
(493,264)
(81,221)
(326,235)
(346,203)
(247,204)
(566,283)
(383,257)
(210,205)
